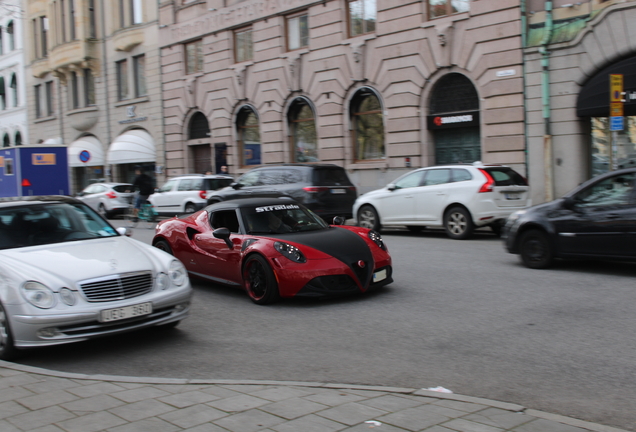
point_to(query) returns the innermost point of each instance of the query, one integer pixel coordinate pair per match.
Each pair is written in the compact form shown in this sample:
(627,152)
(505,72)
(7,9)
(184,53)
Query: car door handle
(441,193)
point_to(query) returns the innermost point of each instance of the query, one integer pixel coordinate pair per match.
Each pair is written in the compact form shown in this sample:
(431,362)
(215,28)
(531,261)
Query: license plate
(379,276)
(117,314)
(512,196)
(338,191)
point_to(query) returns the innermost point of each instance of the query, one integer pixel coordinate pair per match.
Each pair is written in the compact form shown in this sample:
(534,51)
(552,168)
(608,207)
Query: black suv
(323,188)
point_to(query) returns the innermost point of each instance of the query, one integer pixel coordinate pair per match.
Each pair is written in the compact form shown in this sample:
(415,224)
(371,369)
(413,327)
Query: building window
(135,12)
(194,57)
(130,12)
(139,69)
(11,36)
(5,141)
(122,80)
(439,8)
(367,126)
(62,20)
(122,13)
(297,31)
(302,129)
(44,28)
(249,137)
(199,126)
(243,48)
(8,166)
(362,16)
(49,98)
(18,139)
(71,6)
(3,95)
(74,91)
(89,88)
(14,90)
(92,20)
(38,101)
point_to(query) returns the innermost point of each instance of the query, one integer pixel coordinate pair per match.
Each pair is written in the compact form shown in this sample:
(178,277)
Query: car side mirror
(236,186)
(569,203)
(223,234)
(391,187)
(338,220)
(124,231)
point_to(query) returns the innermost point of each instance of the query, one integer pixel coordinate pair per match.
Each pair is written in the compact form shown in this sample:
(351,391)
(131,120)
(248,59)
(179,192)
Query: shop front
(133,148)
(86,161)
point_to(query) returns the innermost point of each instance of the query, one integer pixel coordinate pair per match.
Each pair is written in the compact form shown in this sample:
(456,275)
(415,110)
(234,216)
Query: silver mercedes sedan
(67,275)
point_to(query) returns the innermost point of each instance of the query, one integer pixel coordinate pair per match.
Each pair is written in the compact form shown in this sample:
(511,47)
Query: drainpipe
(106,91)
(524,43)
(548,154)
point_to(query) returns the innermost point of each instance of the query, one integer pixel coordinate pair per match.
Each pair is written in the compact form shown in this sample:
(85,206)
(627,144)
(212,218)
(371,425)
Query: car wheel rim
(535,250)
(4,332)
(367,219)
(457,223)
(102,210)
(256,280)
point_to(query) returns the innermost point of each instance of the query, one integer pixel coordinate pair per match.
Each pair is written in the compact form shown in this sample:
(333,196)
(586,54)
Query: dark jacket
(143,182)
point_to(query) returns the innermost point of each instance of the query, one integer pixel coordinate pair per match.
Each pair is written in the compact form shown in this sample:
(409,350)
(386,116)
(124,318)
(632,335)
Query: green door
(457,145)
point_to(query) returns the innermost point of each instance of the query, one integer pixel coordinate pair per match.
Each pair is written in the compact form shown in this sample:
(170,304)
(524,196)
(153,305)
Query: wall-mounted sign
(132,116)
(43,159)
(456,120)
(506,73)
(84,156)
(1,161)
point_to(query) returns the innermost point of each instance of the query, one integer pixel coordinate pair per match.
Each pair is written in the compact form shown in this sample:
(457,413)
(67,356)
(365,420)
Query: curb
(418,392)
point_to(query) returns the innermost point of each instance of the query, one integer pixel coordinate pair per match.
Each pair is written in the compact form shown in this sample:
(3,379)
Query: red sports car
(276,248)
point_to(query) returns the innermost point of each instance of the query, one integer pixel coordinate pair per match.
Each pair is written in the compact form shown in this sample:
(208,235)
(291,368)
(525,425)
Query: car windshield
(46,223)
(282,218)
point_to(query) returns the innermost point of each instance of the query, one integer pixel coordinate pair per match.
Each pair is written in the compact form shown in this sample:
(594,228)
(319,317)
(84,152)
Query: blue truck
(41,170)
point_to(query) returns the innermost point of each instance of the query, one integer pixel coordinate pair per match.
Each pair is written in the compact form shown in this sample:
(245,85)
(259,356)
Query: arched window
(249,136)
(302,130)
(367,126)
(18,139)
(454,93)
(14,90)
(3,95)
(199,126)
(10,33)
(5,141)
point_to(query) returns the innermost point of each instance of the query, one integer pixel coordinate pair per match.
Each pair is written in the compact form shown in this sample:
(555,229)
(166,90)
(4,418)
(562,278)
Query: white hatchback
(458,198)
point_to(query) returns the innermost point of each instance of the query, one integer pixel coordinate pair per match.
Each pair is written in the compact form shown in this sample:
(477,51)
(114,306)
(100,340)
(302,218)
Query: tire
(458,223)
(496,229)
(416,229)
(164,246)
(190,208)
(7,350)
(535,249)
(368,218)
(260,282)
(103,212)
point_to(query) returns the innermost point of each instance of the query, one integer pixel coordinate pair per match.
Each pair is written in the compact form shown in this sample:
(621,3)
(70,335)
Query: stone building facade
(572,49)
(13,113)
(93,85)
(376,86)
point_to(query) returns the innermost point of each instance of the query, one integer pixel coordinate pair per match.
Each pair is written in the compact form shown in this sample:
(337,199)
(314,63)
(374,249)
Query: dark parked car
(595,220)
(323,188)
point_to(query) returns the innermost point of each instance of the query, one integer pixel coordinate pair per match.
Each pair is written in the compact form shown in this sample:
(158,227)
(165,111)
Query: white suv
(459,198)
(187,193)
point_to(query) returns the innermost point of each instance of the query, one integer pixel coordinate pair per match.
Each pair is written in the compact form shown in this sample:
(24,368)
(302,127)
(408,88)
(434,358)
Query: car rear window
(122,188)
(504,176)
(330,177)
(214,184)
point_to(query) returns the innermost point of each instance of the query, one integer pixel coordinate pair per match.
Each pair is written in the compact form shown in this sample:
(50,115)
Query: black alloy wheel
(7,350)
(102,211)
(260,282)
(535,249)
(458,223)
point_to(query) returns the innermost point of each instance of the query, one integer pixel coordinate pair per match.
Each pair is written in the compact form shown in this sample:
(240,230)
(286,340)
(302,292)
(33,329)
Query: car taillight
(203,194)
(111,195)
(490,183)
(315,189)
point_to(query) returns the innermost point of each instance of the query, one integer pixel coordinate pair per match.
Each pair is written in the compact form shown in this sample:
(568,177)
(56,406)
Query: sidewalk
(39,400)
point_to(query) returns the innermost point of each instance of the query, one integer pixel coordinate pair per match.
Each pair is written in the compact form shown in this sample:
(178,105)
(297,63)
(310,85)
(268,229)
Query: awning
(594,97)
(86,151)
(132,147)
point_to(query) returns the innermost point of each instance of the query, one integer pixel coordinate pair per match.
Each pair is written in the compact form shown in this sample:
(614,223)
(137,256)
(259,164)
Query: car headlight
(177,273)
(39,295)
(377,239)
(514,216)
(291,252)
(163,281)
(68,296)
